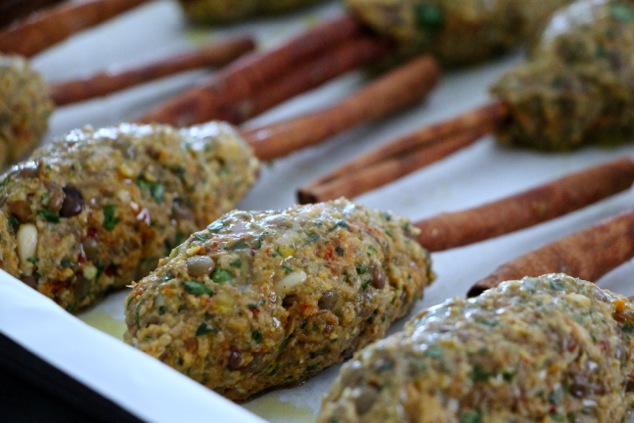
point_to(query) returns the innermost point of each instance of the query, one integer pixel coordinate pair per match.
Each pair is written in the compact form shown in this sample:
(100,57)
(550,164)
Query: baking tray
(479,173)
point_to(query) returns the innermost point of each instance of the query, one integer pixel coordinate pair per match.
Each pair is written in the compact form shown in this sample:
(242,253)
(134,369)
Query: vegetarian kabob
(260,300)
(548,347)
(26,101)
(574,91)
(97,208)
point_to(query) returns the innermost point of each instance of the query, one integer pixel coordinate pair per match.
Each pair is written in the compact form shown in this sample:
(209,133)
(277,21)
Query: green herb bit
(361,270)
(557,285)
(257,336)
(204,329)
(32,260)
(109,218)
(365,284)
(312,238)
(220,275)
(197,288)
(622,12)
(471,416)
(428,17)
(65,263)
(342,224)
(236,263)
(340,251)
(434,351)
(240,245)
(201,236)
(287,269)
(49,215)
(480,374)
(557,417)
(14,222)
(216,226)
(156,189)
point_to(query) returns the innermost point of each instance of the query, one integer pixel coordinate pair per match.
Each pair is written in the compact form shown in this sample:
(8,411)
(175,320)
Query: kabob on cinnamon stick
(26,101)
(280,295)
(574,91)
(97,208)
(534,346)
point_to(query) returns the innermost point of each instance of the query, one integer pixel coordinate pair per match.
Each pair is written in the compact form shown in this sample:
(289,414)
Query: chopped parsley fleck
(65,262)
(480,374)
(49,215)
(312,238)
(557,417)
(471,416)
(622,12)
(340,251)
(32,260)
(434,351)
(201,236)
(361,270)
(342,224)
(197,288)
(216,226)
(236,263)
(14,222)
(287,269)
(428,17)
(109,218)
(239,245)
(156,189)
(220,275)
(257,336)
(628,327)
(204,329)
(557,285)
(365,284)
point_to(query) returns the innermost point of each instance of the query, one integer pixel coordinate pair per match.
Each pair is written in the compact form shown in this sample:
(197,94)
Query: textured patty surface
(265,299)
(96,209)
(548,349)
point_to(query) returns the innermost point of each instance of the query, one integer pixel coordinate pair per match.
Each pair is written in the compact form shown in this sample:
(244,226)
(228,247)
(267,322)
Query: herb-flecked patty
(25,107)
(457,32)
(265,299)
(222,11)
(546,349)
(577,89)
(96,209)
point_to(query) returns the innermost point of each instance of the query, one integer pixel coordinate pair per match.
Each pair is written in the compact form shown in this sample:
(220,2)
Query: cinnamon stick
(588,254)
(11,11)
(393,91)
(351,54)
(50,26)
(104,83)
(250,73)
(483,119)
(528,208)
(376,175)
